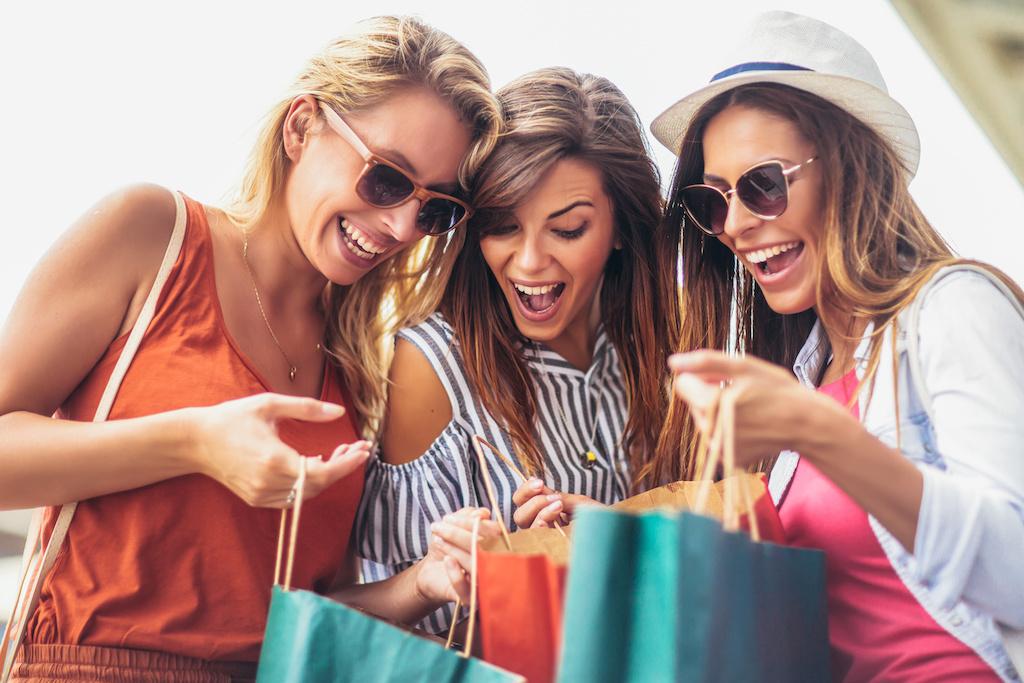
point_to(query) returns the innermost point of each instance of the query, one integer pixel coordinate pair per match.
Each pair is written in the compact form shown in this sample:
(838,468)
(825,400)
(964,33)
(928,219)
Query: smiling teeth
(361,239)
(762,255)
(543,289)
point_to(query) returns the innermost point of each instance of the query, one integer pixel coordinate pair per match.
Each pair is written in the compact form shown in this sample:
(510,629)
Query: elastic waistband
(39,663)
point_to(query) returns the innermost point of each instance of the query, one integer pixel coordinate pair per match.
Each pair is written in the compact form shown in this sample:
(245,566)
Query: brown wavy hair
(358,70)
(877,252)
(550,115)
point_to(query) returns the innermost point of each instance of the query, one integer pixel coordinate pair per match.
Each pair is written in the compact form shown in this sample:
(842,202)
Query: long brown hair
(549,115)
(358,70)
(877,251)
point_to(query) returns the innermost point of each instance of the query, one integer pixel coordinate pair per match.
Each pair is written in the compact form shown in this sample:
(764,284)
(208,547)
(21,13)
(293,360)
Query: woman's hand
(539,506)
(237,444)
(770,405)
(443,574)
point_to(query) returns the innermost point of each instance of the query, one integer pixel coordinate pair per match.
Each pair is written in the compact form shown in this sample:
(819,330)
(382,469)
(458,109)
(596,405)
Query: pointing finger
(280,406)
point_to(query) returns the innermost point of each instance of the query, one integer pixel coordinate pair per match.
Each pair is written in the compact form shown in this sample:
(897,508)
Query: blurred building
(979,46)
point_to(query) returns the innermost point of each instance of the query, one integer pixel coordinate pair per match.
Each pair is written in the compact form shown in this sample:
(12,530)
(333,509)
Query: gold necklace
(292,370)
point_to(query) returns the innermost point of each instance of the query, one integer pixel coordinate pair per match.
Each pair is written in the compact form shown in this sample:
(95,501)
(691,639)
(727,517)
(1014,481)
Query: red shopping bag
(521,589)
(521,593)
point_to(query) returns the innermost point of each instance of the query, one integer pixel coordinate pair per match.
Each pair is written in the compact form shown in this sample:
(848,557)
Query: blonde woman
(267,329)
(900,434)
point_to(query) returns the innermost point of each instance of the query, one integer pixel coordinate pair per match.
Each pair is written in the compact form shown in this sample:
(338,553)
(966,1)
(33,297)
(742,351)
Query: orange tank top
(184,566)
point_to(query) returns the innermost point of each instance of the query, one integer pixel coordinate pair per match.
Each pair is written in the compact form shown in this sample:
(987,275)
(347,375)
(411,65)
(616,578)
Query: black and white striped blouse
(401,501)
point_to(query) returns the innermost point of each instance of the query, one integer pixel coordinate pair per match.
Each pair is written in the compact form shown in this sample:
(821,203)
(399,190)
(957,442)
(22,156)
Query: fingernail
(332,408)
(434,526)
(536,484)
(437,540)
(554,496)
(555,505)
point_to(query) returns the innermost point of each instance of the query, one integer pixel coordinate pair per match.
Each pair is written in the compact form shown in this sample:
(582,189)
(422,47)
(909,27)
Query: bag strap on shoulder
(36,565)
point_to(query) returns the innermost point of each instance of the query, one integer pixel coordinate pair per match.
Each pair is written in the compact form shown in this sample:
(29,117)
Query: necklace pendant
(292,371)
(588,460)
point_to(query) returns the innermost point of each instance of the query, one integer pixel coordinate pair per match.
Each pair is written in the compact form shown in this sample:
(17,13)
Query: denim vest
(918,443)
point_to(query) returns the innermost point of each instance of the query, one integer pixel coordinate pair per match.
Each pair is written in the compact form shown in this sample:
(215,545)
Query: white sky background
(100,94)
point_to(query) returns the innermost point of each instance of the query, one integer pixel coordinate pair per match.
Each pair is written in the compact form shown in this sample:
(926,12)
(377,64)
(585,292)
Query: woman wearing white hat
(802,247)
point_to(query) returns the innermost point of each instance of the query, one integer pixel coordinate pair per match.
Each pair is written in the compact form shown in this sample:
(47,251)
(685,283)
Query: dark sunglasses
(763,189)
(383,184)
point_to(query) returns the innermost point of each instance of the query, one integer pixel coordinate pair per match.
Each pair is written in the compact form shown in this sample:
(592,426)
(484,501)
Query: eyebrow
(396,157)
(785,162)
(562,212)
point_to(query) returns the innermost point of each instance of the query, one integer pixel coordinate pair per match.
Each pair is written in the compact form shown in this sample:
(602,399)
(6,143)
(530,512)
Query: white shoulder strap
(1013,640)
(36,566)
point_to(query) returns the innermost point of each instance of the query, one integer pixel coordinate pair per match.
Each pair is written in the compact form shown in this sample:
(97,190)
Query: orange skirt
(86,663)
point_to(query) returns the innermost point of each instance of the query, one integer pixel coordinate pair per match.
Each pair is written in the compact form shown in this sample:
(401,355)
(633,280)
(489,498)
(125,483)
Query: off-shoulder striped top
(577,411)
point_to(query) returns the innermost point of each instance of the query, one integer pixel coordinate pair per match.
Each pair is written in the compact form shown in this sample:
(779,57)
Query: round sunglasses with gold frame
(763,189)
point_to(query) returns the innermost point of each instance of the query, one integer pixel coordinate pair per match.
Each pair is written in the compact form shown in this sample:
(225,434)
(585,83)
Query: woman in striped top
(550,337)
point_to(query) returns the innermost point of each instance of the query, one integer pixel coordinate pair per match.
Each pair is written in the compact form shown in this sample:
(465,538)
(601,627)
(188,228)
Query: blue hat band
(757,66)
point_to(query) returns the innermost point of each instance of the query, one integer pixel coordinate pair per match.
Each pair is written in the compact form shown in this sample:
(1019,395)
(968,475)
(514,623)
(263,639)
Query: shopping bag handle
(300,489)
(508,461)
(718,445)
(489,488)
(467,647)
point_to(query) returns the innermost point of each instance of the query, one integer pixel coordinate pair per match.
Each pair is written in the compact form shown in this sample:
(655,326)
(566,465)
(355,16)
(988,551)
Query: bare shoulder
(83,292)
(134,222)
(418,407)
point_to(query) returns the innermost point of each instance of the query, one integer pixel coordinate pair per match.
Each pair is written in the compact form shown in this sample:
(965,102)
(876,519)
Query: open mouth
(541,298)
(774,260)
(358,242)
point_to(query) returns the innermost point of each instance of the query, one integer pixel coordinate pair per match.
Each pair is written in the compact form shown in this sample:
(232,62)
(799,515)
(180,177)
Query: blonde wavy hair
(877,251)
(354,72)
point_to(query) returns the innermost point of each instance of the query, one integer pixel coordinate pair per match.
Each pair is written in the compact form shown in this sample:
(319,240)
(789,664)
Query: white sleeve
(970,532)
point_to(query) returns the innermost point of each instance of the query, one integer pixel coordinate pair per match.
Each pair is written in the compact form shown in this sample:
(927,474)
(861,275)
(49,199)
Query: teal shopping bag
(313,639)
(310,638)
(679,596)
(674,597)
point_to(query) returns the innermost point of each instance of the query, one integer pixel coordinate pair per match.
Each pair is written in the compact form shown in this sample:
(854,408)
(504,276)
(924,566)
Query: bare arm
(418,411)
(440,577)
(418,406)
(86,291)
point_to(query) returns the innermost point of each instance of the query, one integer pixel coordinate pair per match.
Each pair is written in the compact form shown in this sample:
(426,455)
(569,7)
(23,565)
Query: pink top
(878,630)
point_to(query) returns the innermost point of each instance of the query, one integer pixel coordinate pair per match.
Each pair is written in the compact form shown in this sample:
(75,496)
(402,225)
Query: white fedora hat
(787,48)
